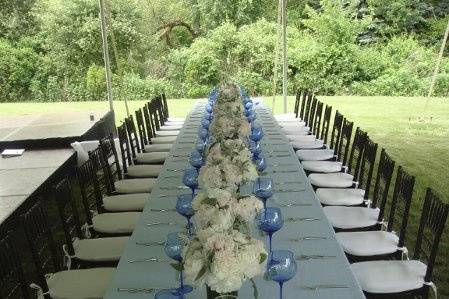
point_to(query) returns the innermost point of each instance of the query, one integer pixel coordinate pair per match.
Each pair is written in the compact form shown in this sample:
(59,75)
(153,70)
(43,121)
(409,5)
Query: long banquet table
(292,187)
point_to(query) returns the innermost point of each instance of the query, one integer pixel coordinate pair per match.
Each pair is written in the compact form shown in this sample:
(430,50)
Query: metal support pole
(284,53)
(440,57)
(107,65)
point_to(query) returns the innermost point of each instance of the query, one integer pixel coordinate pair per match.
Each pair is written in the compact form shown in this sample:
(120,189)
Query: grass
(414,132)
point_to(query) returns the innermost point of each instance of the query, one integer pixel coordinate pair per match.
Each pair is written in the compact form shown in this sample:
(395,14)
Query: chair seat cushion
(80,284)
(175,119)
(167,139)
(383,277)
(162,147)
(135,185)
(301,138)
(315,144)
(151,158)
(167,133)
(351,217)
(315,155)
(172,127)
(100,249)
(115,223)
(125,202)
(144,171)
(285,116)
(369,243)
(322,166)
(340,197)
(296,130)
(331,180)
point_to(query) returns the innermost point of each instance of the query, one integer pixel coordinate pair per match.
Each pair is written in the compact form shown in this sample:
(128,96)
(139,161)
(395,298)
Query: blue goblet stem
(270,237)
(189,227)
(281,284)
(193,191)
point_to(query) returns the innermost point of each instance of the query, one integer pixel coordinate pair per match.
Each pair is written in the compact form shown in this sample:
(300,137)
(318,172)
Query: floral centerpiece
(223,254)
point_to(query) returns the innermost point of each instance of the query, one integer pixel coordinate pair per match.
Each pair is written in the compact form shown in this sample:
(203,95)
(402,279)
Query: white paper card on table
(12,153)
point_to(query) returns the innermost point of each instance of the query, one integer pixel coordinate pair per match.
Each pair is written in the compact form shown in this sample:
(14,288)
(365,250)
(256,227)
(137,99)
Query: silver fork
(308,238)
(140,290)
(162,210)
(314,257)
(293,219)
(154,243)
(325,286)
(160,223)
(152,259)
(288,205)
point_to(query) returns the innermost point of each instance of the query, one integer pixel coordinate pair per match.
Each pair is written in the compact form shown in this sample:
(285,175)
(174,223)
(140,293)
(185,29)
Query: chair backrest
(307,109)
(317,121)
(110,156)
(90,188)
(159,110)
(68,213)
(125,150)
(326,123)
(344,141)
(148,123)
(400,205)
(41,242)
(141,128)
(165,106)
(12,279)
(357,149)
(382,186)
(365,174)
(311,119)
(336,131)
(297,101)
(132,136)
(302,112)
(153,110)
(433,220)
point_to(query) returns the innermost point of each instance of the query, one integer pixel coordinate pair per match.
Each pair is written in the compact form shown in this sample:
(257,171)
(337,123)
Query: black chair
(344,172)
(111,166)
(12,279)
(312,113)
(81,252)
(324,154)
(161,130)
(141,128)
(372,245)
(323,135)
(110,215)
(52,279)
(312,141)
(130,169)
(408,278)
(139,156)
(371,217)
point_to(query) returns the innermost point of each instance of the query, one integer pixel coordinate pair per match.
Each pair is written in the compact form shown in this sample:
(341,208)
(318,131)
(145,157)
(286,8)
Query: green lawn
(415,135)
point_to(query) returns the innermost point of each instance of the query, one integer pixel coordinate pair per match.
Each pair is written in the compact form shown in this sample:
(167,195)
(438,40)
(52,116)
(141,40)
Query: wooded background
(50,50)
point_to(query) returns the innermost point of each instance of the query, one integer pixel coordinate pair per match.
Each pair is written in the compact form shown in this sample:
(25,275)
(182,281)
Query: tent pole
(107,64)
(276,55)
(440,57)
(284,54)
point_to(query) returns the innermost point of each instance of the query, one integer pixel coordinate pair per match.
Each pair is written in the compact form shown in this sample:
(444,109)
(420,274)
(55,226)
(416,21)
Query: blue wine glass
(261,164)
(190,179)
(203,133)
(200,145)
(281,267)
(196,159)
(270,220)
(184,207)
(263,189)
(209,107)
(173,249)
(248,105)
(168,294)
(254,148)
(205,123)
(256,133)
